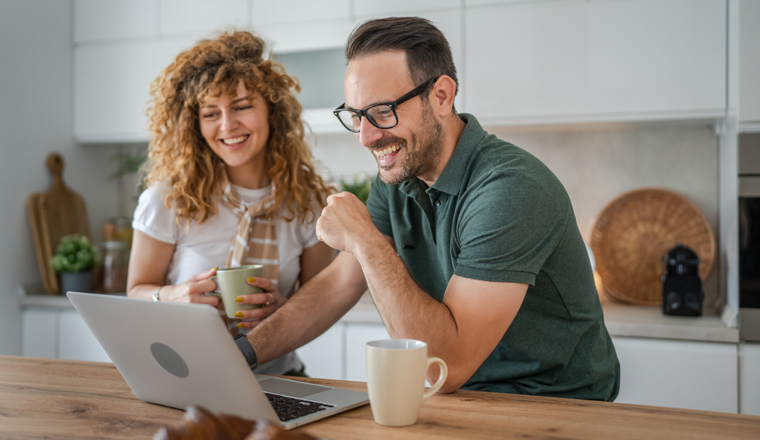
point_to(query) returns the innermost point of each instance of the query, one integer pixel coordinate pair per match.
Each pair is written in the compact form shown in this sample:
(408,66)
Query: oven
(749,236)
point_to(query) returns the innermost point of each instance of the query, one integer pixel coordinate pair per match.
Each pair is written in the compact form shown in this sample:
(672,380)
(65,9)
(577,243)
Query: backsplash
(595,163)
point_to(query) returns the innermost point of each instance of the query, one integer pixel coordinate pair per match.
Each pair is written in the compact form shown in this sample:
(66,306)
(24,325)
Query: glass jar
(123,230)
(115,264)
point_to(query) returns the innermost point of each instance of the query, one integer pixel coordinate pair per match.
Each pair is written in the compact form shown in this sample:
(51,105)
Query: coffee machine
(682,293)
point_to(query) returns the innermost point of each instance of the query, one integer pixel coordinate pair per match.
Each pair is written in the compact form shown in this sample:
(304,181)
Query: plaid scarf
(256,239)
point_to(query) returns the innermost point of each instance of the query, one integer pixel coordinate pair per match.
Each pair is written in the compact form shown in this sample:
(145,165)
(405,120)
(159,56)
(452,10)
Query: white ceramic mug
(396,370)
(232,282)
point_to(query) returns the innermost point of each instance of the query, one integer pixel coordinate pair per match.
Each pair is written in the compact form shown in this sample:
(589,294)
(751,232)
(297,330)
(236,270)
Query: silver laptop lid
(174,354)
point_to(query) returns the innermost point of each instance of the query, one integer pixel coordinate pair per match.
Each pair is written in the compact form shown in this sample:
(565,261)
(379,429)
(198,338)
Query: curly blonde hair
(178,153)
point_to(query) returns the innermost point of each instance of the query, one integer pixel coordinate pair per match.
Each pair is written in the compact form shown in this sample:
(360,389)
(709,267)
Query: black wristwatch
(247,349)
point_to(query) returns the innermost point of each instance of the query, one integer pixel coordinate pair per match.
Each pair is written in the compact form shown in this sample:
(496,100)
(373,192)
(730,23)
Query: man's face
(413,147)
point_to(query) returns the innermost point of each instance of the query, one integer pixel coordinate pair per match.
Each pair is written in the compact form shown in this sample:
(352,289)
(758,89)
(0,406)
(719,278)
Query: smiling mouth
(235,140)
(385,152)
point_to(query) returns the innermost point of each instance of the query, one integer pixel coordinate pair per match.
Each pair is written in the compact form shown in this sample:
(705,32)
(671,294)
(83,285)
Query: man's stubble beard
(423,158)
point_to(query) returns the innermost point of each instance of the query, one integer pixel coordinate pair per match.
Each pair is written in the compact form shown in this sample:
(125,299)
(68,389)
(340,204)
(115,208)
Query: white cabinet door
(565,61)
(200,17)
(267,12)
(111,87)
(77,341)
(323,356)
(307,35)
(39,333)
(749,378)
(294,25)
(357,336)
(678,374)
(749,61)
(401,7)
(99,20)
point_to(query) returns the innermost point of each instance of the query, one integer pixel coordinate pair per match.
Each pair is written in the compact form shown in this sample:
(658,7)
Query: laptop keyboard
(288,408)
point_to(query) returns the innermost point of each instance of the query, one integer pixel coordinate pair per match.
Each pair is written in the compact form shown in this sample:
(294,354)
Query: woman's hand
(270,299)
(193,290)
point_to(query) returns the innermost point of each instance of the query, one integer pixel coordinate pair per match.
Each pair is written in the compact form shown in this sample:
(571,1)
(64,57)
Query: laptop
(178,355)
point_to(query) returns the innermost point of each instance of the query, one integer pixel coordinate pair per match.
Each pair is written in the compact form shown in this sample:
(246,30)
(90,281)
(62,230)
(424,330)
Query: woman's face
(237,128)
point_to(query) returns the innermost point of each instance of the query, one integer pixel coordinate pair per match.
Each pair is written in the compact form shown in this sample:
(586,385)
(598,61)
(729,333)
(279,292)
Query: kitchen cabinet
(749,63)
(470,3)
(401,7)
(76,341)
(320,74)
(304,36)
(267,12)
(678,374)
(201,17)
(59,333)
(40,333)
(357,336)
(339,352)
(296,26)
(111,87)
(323,356)
(321,71)
(103,20)
(518,62)
(112,76)
(749,378)
(578,61)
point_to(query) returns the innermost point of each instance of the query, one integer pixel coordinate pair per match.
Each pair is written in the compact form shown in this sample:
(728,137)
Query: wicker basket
(634,232)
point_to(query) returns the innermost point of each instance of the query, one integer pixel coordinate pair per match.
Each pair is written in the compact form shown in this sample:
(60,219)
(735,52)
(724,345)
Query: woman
(230,182)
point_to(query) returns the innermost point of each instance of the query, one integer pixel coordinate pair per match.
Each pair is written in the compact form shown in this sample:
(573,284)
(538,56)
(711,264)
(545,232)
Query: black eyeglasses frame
(420,89)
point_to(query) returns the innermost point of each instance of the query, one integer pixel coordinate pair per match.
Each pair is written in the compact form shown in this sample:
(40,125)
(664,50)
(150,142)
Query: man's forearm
(407,311)
(313,309)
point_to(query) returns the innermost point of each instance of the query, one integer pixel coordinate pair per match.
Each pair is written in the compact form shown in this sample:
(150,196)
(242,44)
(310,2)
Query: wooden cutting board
(60,212)
(34,219)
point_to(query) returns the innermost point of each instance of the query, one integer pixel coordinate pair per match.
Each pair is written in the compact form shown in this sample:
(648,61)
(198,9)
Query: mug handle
(444,373)
(216,291)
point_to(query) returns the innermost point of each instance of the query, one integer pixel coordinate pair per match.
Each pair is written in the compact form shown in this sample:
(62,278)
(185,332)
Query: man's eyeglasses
(382,115)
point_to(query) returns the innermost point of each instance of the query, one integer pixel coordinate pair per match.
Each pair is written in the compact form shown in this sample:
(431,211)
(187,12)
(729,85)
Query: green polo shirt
(498,214)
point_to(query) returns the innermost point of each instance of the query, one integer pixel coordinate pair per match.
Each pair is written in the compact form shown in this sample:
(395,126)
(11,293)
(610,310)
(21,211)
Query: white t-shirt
(202,247)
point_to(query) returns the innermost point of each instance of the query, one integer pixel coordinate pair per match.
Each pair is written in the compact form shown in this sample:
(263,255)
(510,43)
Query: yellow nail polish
(241,325)
(239,314)
(217,267)
(251,280)
(239,299)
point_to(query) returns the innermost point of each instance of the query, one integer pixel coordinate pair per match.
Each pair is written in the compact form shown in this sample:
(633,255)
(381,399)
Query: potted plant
(74,260)
(359,186)
(130,173)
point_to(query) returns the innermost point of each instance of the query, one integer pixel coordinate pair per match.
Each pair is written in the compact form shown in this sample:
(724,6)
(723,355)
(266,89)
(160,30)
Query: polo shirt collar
(450,179)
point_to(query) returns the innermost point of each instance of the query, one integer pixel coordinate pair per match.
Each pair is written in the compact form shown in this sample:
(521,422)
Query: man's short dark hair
(428,54)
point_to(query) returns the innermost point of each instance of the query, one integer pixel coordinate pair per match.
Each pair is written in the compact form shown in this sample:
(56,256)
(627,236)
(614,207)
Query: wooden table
(47,398)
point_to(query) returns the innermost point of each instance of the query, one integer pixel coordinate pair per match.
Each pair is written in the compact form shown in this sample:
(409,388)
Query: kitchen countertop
(649,322)
(622,320)
(51,398)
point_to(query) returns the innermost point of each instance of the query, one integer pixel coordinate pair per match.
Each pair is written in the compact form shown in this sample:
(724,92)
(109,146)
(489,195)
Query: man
(467,242)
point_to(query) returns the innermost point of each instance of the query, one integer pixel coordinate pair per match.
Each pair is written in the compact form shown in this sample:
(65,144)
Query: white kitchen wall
(595,163)
(341,154)
(36,100)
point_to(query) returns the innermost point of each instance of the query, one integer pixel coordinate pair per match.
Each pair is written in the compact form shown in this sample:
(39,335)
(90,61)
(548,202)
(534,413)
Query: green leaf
(75,253)
(359,186)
